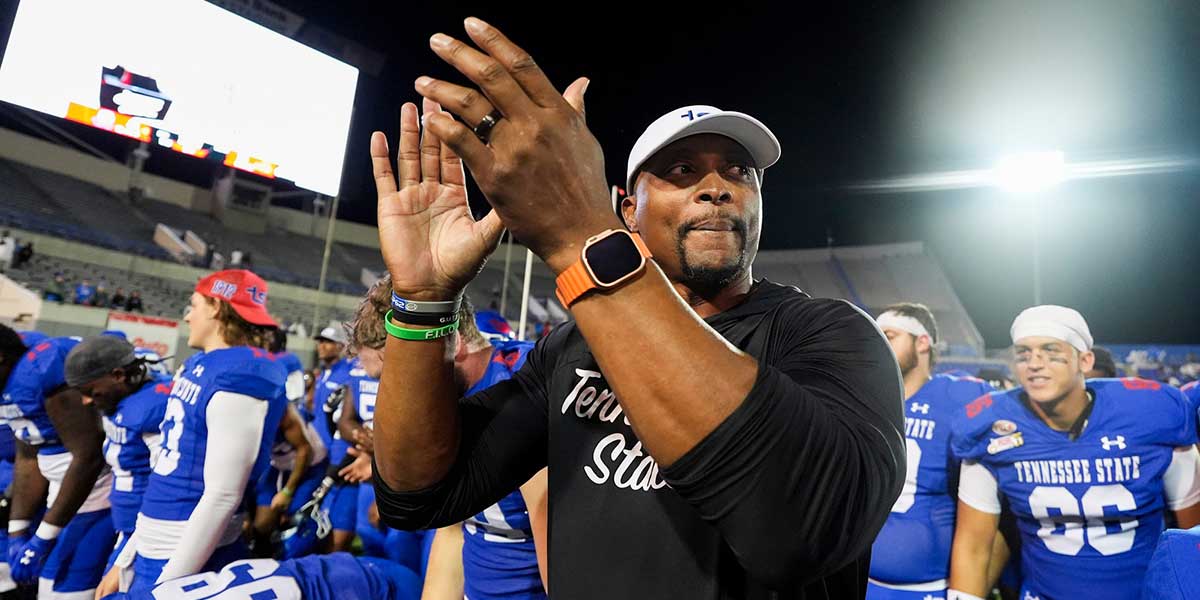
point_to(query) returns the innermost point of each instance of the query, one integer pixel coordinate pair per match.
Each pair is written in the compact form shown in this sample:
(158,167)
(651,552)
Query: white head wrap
(893,320)
(1058,322)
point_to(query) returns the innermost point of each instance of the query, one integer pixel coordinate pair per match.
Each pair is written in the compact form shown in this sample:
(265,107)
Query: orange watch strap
(573,283)
(576,281)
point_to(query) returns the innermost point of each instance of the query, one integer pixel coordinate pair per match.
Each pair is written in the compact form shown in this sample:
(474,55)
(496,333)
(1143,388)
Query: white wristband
(16,525)
(47,531)
(957,595)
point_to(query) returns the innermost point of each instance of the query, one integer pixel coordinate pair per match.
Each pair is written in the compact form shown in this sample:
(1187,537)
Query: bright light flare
(1025,174)
(1030,171)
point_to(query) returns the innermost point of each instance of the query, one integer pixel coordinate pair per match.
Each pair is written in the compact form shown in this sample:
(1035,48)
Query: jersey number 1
(1073,514)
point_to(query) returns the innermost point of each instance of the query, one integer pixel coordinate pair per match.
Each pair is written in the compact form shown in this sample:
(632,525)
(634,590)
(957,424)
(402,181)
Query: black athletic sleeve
(800,478)
(503,444)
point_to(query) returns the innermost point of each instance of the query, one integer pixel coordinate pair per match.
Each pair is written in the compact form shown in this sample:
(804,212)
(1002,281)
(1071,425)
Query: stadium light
(1029,172)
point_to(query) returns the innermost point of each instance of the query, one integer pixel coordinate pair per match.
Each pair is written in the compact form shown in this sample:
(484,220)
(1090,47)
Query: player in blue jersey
(59,459)
(911,555)
(32,338)
(1192,392)
(493,554)
(342,501)
(1087,468)
(221,418)
(337,576)
(283,488)
(8,454)
(1174,571)
(132,401)
(295,370)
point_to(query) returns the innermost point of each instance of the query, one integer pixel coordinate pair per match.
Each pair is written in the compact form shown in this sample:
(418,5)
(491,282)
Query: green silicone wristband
(405,333)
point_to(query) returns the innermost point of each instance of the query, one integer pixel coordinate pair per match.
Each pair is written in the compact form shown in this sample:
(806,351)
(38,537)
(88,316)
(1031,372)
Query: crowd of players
(239,475)
(243,472)
(1058,488)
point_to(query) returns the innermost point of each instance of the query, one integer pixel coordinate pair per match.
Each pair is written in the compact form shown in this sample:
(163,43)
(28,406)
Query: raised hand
(540,167)
(431,244)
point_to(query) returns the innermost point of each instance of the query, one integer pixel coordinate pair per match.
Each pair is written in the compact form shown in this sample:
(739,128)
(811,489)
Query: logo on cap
(257,295)
(692,115)
(224,289)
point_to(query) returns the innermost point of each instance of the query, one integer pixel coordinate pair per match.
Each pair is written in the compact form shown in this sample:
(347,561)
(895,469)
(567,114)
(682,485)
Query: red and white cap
(243,290)
(693,120)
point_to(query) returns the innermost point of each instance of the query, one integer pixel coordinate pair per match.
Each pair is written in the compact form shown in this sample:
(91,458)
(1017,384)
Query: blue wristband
(449,307)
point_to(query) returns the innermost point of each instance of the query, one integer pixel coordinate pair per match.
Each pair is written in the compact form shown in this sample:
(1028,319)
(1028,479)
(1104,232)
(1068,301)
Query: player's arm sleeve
(503,443)
(294,386)
(978,488)
(817,444)
(227,464)
(1181,482)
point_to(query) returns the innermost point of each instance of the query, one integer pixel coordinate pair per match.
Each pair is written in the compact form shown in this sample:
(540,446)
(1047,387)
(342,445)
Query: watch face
(612,258)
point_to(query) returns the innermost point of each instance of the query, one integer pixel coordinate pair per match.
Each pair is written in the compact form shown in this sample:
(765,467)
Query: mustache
(736,222)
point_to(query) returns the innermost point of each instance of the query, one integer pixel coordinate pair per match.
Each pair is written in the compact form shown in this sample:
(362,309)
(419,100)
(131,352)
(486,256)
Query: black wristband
(423,319)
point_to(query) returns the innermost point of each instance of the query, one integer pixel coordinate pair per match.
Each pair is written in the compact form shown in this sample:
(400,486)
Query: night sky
(870,91)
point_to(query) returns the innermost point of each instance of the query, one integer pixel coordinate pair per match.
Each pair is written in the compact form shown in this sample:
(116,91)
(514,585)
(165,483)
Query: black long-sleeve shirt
(781,501)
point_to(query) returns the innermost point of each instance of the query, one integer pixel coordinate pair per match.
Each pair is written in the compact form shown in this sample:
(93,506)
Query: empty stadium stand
(873,277)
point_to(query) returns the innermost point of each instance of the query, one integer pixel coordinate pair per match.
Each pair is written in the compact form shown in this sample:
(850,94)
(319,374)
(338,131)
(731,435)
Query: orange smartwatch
(607,261)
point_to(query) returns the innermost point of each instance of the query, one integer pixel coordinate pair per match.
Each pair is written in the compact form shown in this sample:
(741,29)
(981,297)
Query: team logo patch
(223,289)
(257,296)
(977,405)
(1118,442)
(1008,442)
(1003,427)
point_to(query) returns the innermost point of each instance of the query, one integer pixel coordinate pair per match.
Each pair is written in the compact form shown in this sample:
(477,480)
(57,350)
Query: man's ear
(460,348)
(629,212)
(924,344)
(1087,361)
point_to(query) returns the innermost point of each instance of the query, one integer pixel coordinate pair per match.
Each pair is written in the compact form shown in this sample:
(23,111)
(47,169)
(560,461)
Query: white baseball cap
(1052,321)
(693,120)
(333,334)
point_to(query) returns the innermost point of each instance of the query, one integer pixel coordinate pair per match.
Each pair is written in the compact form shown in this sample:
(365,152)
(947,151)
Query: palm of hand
(431,244)
(433,235)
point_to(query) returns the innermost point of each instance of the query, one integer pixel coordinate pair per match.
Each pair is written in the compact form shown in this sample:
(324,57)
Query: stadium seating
(160,297)
(61,206)
(873,277)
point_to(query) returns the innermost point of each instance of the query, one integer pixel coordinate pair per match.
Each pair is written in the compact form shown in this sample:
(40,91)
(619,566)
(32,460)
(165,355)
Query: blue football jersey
(1174,571)
(337,576)
(39,373)
(1089,511)
(914,544)
(177,481)
(362,390)
(8,445)
(331,378)
(499,560)
(291,363)
(32,338)
(138,415)
(1191,391)
(8,449)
